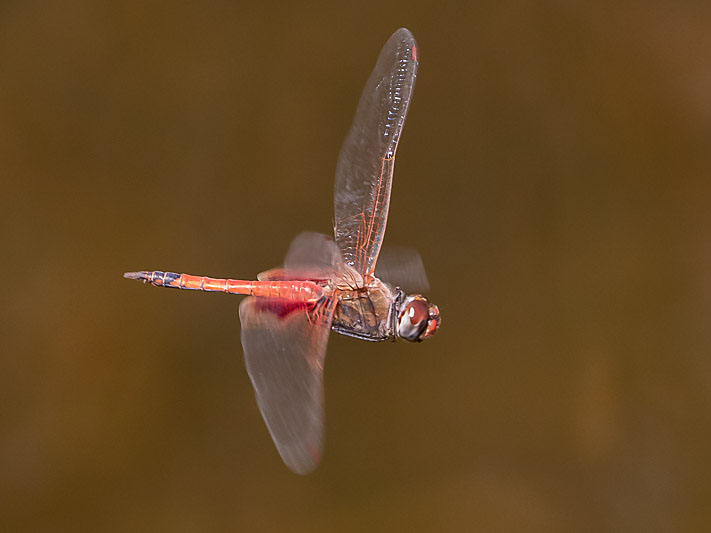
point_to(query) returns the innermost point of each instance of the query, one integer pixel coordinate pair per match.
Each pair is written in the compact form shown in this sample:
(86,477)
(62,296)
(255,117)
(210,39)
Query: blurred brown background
(554,174)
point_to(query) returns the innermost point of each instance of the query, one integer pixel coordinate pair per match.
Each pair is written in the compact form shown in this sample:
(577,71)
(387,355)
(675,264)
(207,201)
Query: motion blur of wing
(310,256)
(284,345)
(402,267)
(312,251)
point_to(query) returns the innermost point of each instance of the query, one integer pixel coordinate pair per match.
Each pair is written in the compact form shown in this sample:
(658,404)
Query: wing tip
(304,461)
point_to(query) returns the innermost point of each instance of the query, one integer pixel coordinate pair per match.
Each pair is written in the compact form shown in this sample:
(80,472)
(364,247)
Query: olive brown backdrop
(553,173)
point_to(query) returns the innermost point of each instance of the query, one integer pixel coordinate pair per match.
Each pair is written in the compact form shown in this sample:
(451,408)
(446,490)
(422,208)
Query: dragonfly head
(418,319)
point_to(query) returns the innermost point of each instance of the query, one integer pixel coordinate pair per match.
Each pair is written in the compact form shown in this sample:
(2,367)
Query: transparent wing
(402,267)
(365,165)
(310,256)
(284,345)
(314,252)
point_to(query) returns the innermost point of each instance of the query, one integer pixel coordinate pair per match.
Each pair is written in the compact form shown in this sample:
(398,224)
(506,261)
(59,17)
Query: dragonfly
(331,283)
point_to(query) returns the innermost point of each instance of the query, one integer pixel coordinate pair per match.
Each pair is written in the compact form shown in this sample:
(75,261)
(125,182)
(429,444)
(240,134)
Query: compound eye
(413,319)
(432,323)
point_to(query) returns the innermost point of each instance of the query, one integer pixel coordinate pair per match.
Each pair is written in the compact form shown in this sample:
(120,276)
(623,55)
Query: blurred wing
(310,256)
(365,165)
(284,346)
(312,252)
(402,267)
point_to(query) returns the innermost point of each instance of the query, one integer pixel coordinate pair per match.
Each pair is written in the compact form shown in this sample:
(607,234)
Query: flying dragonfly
(331,283)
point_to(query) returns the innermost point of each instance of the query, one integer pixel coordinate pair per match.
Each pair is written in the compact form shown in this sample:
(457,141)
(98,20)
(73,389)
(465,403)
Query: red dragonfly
(330,284)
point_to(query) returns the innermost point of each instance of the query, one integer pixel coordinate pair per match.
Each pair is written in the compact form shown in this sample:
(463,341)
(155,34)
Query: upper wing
(365,165)
(312,253)
(310,256)
(402,267)
(284,346)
